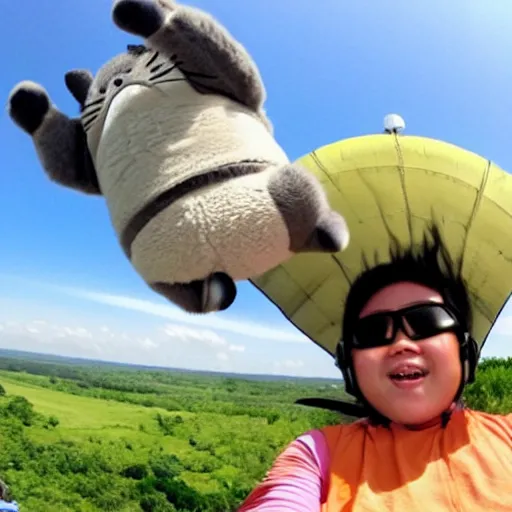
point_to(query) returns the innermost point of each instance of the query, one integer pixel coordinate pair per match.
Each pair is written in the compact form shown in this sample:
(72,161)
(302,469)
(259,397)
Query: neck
(436,420)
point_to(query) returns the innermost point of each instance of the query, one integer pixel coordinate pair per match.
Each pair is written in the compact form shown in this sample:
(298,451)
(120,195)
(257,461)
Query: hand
(28,105)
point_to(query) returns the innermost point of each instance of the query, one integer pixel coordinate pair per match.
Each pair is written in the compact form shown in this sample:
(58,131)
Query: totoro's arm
(211,59)
(60,142)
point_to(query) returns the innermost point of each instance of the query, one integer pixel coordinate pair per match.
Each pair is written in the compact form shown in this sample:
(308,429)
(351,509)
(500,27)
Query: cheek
(443,353)
(368,365)
(366,358)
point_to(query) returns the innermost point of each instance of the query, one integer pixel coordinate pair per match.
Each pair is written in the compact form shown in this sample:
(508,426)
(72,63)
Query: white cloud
(288,365)
(169,345)
(503,326)
(153,346)
(189,334)
(222,356)
(148,344)
(212,321)
(161,335)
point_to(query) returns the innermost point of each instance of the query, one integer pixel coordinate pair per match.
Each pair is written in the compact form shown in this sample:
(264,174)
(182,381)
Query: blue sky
(330,72)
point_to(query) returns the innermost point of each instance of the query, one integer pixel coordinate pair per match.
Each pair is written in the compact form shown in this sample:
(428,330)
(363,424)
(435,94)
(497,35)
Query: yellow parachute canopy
(389,182)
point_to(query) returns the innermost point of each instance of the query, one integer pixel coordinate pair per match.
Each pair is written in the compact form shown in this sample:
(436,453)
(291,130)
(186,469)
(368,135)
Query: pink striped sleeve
(296,481)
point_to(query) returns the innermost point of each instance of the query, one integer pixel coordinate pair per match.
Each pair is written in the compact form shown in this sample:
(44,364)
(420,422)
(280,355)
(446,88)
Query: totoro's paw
(331,234)
(28,105)
(219,292)
(140,17)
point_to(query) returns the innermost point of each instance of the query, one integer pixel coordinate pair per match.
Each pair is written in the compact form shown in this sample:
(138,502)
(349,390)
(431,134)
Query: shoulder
(498,423)
(320,442)
(315,443)
(487,416)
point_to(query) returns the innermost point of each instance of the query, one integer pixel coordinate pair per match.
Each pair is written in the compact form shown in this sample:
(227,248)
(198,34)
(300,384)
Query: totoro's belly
(155,138)
(234,227)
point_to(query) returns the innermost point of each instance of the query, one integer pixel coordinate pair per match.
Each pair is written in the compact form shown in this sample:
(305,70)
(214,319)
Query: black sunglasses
(418,322)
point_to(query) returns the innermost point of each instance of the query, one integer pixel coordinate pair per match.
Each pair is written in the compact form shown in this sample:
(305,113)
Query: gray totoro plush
(173,134)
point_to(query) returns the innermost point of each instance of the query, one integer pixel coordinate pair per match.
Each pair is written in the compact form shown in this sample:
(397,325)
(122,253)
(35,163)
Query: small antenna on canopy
(393,123)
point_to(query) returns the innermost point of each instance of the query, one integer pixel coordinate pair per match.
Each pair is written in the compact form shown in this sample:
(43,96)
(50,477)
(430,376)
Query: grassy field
(90,420)
(78,413)
(213,436)
(82,436)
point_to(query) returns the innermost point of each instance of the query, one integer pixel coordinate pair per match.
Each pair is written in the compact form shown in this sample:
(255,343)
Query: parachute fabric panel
(391,185)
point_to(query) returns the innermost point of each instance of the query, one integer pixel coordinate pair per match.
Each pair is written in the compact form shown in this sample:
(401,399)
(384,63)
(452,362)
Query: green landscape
(87,436)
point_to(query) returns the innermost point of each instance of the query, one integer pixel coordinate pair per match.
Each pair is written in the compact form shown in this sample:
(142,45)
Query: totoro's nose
(118,82)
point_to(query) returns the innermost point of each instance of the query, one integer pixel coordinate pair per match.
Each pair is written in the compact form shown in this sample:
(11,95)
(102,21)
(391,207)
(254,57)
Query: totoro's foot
(140,17)
(312,225)
(330,235)
(215,293)
(219,292)
(28,105)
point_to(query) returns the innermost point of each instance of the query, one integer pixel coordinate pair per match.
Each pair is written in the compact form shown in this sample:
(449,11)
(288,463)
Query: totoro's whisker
(153,58)
(87,115)
(163,73)
(89,122)
(156,68)
(95,102)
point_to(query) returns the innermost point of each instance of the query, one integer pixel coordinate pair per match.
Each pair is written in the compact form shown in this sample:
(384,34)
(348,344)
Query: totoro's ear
(78,82)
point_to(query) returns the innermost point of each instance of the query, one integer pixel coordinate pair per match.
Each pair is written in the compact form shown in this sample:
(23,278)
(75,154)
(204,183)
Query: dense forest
(80,436)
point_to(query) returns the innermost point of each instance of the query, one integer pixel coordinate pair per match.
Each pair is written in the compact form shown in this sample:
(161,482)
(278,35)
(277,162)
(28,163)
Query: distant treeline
(183,391)
(177,391)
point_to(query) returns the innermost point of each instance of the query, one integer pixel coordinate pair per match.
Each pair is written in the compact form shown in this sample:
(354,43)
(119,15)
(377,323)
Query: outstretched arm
(296,482)
(60,142)
(210,58)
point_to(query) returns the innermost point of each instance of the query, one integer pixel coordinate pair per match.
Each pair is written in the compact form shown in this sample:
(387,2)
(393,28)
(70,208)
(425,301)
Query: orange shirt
(465,467)
(360,468)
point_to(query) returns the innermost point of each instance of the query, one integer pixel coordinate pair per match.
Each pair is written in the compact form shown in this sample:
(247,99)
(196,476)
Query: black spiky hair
(428,264)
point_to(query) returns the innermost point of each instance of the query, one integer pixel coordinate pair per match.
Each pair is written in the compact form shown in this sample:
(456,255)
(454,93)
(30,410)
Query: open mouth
(408,375)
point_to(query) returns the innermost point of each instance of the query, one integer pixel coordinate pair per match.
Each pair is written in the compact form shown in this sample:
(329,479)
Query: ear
(78,82)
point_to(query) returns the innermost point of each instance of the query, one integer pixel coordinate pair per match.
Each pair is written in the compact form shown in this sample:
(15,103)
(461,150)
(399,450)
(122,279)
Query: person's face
(408,402)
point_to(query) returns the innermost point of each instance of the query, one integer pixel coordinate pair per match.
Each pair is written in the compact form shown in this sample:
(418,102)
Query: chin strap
(445,417)
(331,404)
(357,410)
(354,409)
